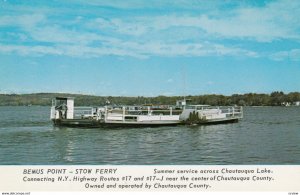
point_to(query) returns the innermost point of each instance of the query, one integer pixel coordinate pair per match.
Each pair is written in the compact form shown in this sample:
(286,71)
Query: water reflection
(64,145)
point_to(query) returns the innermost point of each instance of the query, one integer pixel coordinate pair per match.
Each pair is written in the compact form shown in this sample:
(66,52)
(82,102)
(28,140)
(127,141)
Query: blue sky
(149,48)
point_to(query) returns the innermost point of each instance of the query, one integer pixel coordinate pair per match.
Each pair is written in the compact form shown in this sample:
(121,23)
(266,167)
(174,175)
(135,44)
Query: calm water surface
(266,135)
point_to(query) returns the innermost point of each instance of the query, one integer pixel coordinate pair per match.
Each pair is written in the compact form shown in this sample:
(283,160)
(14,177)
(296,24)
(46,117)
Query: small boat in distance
(63,113)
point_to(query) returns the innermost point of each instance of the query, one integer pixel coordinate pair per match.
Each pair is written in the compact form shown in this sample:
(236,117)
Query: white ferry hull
(94,123)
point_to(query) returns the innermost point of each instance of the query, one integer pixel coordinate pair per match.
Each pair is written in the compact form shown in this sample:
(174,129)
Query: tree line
(277,98)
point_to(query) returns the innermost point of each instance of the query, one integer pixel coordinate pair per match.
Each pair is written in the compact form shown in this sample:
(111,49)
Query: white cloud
(66,50)
(156,4)
(277,20)
(131,49)
(135,28)
(56,34)
(29,50)
(170,80)
(293,55)
(53,39)
(25,21)
(169,35)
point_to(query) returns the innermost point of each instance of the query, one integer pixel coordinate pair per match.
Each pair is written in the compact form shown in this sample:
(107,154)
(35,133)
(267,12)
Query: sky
(149,47)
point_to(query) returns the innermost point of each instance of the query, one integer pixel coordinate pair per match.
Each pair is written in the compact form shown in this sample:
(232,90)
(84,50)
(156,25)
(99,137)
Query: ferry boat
(63,113)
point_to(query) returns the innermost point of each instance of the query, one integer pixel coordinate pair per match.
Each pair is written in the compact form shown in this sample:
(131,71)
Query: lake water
(266,135)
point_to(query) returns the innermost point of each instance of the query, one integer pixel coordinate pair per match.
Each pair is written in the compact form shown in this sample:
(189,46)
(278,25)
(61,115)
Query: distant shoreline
(276,98)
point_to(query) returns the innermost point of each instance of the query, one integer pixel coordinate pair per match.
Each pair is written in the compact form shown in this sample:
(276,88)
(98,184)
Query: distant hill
(45,99)
(250,99)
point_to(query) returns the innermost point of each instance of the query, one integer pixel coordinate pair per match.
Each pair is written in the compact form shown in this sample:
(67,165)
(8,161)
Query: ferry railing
(229,111)
(145,111)
(103,112)
(233,112)
(52,112)
(150,111)
(85,112)
(127,112)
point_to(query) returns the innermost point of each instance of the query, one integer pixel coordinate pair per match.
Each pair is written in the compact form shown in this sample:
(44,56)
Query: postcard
(154,96)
